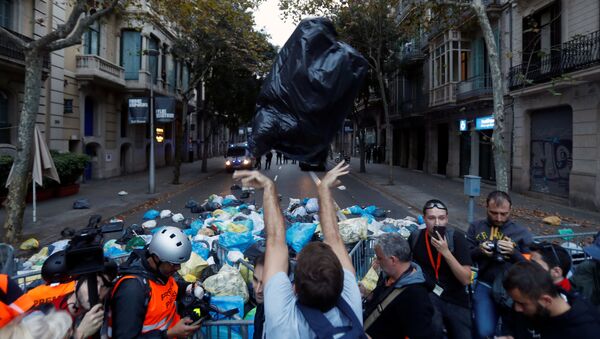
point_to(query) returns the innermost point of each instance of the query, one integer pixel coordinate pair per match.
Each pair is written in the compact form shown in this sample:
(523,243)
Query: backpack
(323,328)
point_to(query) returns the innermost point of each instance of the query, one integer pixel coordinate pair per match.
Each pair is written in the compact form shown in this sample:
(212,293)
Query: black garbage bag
(307,95)
(191,203)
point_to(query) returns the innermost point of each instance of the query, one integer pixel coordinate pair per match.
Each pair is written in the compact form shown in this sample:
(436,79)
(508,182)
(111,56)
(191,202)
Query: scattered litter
(122,193)
(30,244)
(81,204)
(552,220)
(165,214)
(149,224)
(178,217)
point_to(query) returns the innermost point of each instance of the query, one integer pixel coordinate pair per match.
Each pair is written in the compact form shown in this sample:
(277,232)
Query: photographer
(143,300)
(495,243)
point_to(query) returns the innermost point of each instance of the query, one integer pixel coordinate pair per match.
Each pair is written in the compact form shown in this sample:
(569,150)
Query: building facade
(555,84)
(550,61)
(84,103)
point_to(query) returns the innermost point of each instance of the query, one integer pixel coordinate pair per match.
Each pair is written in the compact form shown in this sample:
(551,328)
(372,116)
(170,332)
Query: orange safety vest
(46,294)
(161,310)
(18,307)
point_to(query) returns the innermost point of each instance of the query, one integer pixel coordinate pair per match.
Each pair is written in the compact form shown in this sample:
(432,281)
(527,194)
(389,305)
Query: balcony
(574,55)
(442,95)
(411,52)
(477,87)
(414,107)
(94,68)
(13,54)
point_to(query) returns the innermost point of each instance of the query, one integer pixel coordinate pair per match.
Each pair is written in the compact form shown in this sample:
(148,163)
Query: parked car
(238,156)
(306,166)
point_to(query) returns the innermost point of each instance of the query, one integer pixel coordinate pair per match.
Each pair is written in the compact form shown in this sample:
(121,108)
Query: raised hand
(331,179)
(252,179)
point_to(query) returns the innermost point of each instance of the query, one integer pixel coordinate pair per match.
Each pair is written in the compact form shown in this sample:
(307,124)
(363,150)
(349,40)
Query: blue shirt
(284,320)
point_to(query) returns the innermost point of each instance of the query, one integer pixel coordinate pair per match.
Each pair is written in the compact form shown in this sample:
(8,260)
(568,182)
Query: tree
(210,32)
(83,14)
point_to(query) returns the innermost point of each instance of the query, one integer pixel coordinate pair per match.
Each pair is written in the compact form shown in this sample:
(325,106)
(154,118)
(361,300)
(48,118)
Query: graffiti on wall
(551,162)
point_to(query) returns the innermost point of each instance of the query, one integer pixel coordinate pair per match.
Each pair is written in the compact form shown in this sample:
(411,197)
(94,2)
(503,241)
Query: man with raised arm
(311,306)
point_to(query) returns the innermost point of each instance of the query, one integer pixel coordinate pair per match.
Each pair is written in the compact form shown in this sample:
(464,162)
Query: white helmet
(171,245)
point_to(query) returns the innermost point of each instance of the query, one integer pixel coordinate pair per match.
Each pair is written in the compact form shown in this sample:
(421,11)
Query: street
(291,182)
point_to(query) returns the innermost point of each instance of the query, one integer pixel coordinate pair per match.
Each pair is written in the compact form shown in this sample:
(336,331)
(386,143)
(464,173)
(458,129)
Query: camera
(492,246)
(83,256)
(199,309)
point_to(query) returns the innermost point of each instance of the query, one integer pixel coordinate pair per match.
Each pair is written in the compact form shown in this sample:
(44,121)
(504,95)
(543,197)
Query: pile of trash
(226,231)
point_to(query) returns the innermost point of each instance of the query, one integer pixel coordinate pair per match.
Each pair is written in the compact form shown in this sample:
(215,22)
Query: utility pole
(152,164)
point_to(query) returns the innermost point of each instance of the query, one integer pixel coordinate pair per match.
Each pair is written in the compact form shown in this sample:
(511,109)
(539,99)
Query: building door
(420,148)
(551,150)
(465,153)
(486,156)
(442,149)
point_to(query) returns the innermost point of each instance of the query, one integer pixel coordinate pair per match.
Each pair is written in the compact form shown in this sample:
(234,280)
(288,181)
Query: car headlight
(227,163)
(246,162)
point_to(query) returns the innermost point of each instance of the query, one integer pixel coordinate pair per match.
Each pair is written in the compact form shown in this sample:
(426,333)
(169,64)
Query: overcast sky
(268,17)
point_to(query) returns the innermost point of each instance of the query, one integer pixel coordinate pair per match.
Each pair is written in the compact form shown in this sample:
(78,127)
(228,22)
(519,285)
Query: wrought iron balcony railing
(579,53)
(12,52)
(475,87)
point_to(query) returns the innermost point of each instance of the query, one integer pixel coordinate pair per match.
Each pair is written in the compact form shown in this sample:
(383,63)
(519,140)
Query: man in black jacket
(443,254)
(541,311)
(399,307)
(495,243)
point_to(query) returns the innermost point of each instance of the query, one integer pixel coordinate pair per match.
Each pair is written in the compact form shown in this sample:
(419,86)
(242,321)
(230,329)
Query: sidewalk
(414,188)
(55,214)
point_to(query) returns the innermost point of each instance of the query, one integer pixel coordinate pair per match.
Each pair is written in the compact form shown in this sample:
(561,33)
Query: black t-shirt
(454,292)
(582,321)
(409,315)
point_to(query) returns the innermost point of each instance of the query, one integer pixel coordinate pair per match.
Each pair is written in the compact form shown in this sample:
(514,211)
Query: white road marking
(276,178)
(314,177)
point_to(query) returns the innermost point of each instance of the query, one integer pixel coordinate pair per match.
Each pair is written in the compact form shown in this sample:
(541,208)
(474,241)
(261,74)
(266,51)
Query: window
(68,103)
(131,56)
(6,13)
(92,39)
(541,34)
(153,44)
(5,125)
(450,59)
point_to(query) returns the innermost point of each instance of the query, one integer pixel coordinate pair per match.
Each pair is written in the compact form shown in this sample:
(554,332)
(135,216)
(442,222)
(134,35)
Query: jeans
(486,314)
(456,319)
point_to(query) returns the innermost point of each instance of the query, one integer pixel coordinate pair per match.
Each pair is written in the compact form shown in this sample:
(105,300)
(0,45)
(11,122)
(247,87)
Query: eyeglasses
(435,204)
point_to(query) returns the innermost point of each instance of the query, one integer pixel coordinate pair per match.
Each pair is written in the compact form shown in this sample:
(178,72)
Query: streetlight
(151,165)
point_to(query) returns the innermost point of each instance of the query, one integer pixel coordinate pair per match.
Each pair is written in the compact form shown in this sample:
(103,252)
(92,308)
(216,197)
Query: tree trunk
(179,133)
(500,156)
(205,137)
(22,166)
(388,126)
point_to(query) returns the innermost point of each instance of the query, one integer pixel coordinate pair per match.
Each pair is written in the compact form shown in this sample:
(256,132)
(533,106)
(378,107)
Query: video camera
(199,308)
(83,256)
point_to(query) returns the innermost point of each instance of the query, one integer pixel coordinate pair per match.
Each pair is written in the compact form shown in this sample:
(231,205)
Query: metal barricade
(225,329)
(27,278)
(362,256)
(573,243)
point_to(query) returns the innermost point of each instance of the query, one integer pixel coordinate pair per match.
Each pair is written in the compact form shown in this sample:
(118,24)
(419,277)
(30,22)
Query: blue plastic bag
(226,303)
(239,241)
(200,249)
(227,201)
(369,209)
(299,234)
(151,214)
(355,209)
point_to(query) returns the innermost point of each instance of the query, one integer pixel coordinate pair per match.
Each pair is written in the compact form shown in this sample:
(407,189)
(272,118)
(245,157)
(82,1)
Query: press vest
(18,307)
(47,294)
(161,310)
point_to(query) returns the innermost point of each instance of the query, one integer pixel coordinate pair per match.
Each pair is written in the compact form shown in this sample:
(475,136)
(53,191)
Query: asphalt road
(291,182)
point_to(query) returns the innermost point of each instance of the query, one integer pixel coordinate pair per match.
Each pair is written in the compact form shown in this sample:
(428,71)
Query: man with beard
(540,311)
(495,243)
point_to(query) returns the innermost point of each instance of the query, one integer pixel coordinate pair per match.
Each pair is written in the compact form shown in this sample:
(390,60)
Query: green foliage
(69,166)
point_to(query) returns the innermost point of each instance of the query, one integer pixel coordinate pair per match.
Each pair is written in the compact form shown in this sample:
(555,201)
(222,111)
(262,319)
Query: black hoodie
(489,268)
(127,304)
(581,321)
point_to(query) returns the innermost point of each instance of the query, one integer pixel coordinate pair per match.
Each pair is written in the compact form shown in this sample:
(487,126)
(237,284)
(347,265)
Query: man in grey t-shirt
(323,273)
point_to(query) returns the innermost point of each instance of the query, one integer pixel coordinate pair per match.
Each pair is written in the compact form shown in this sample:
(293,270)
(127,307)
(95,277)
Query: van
(238,156)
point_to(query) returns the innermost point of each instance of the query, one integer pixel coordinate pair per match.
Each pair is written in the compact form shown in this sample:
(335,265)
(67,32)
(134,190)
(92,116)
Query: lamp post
(151,165)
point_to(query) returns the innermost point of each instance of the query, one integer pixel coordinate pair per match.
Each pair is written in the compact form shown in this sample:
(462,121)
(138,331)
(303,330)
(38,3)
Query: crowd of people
(492,281)
(280,159)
